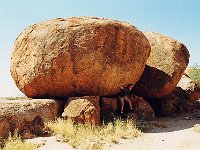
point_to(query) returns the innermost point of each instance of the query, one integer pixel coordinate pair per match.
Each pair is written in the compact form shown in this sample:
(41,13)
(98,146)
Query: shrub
(17,144)
(194,74)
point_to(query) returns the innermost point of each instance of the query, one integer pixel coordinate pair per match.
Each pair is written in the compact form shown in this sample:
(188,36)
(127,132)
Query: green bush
(194,74)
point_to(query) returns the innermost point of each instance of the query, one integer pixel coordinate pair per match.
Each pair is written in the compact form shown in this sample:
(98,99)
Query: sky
(179,19)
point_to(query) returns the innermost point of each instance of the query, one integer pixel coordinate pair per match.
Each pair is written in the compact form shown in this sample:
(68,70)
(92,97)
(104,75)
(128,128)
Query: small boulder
(27,116)
(83,109)
(167,61)
(191,87)
(142,108)
(186,83)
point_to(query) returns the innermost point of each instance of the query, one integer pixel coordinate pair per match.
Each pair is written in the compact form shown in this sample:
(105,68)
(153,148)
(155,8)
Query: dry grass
(197,128)
(15,143)
(90,136)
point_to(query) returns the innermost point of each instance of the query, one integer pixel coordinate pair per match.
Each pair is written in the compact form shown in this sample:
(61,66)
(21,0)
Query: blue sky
(179,19)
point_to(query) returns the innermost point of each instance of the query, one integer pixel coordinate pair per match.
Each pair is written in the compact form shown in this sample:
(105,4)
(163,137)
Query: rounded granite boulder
(166,64)
(78,56)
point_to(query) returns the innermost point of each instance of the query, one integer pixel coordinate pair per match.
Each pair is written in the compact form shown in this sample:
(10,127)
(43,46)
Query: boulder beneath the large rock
(195,93)
(78,56)
(175,103)
(186,83)
(142,108)
(110,107)
(191,87)
(164,68)
(83,109)
(27,117)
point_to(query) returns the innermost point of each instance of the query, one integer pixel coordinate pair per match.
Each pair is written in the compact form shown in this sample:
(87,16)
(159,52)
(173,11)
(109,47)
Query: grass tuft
(89,136)
(15,143)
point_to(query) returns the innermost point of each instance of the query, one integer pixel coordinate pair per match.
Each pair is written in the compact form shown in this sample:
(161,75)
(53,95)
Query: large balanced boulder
(78,56)
(27,116)
(84,109)
(165,66)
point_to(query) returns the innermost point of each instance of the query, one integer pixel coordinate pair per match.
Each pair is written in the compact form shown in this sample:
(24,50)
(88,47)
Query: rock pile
(84,60)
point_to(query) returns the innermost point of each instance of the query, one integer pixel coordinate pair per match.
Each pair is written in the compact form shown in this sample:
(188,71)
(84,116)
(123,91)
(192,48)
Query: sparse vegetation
(194,74)
(197,128)
(92,136)
(17,143)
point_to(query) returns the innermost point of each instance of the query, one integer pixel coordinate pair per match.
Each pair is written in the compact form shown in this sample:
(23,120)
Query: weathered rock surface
(78,56)
(165,66)
(83,109)
(27,116)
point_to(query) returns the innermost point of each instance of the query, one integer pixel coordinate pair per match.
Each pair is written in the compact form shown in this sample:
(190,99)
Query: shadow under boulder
(175,103)
(110,108)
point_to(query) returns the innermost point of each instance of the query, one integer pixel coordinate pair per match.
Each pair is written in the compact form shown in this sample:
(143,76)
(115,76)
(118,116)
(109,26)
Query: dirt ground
(169,133)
